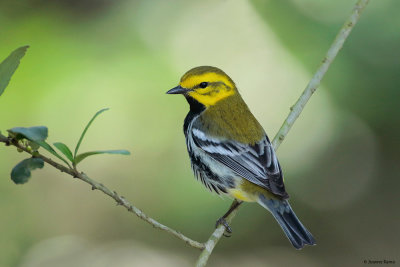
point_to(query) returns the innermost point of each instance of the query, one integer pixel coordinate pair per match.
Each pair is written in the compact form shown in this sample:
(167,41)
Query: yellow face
(207,85)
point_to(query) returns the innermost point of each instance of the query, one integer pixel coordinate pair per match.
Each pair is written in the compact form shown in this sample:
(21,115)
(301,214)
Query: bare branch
(314,83)
(296,109)
(96,185)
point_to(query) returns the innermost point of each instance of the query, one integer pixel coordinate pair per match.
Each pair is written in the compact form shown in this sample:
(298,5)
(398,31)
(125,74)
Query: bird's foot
(228,229)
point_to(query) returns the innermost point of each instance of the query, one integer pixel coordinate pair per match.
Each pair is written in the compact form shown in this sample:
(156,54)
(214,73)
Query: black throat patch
(195,109)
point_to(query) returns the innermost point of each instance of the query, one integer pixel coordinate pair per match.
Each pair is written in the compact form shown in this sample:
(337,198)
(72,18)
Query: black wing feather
(256,163)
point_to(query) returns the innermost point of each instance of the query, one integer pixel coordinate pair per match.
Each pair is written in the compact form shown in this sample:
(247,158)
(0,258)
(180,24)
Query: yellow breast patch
(241,195)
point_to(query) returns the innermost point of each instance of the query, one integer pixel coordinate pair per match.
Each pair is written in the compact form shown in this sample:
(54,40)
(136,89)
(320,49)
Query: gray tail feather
(297,234)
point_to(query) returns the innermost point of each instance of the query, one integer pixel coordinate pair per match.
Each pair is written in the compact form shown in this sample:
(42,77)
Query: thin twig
(96,185)
(296,109)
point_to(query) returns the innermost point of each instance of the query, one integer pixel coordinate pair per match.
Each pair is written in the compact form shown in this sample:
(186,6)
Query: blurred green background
(341,159)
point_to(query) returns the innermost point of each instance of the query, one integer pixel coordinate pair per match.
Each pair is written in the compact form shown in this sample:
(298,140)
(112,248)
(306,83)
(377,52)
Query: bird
(230,152)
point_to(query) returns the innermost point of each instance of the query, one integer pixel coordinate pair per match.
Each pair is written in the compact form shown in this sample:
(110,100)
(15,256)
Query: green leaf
(51,150)
(65,150)
(86,128)
(9,65)
(36,133)
(21,173)
(82,156)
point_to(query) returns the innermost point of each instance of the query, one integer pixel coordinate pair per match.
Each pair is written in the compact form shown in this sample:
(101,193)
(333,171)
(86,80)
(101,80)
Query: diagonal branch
(296,109)
(96,185)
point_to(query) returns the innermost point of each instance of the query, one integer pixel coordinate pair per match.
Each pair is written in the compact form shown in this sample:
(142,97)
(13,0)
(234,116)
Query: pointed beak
(177,90)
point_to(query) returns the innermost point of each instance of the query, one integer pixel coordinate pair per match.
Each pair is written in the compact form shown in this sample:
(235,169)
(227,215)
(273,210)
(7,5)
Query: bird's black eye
(203,84)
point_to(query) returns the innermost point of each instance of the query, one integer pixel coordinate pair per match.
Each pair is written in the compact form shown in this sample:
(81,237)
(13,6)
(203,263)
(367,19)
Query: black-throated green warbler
(229,150)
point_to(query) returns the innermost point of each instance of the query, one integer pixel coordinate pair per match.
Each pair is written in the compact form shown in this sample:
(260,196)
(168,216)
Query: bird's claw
(228,229)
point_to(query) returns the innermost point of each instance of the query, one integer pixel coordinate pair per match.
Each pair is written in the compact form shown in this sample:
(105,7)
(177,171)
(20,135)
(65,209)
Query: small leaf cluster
(32,139)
